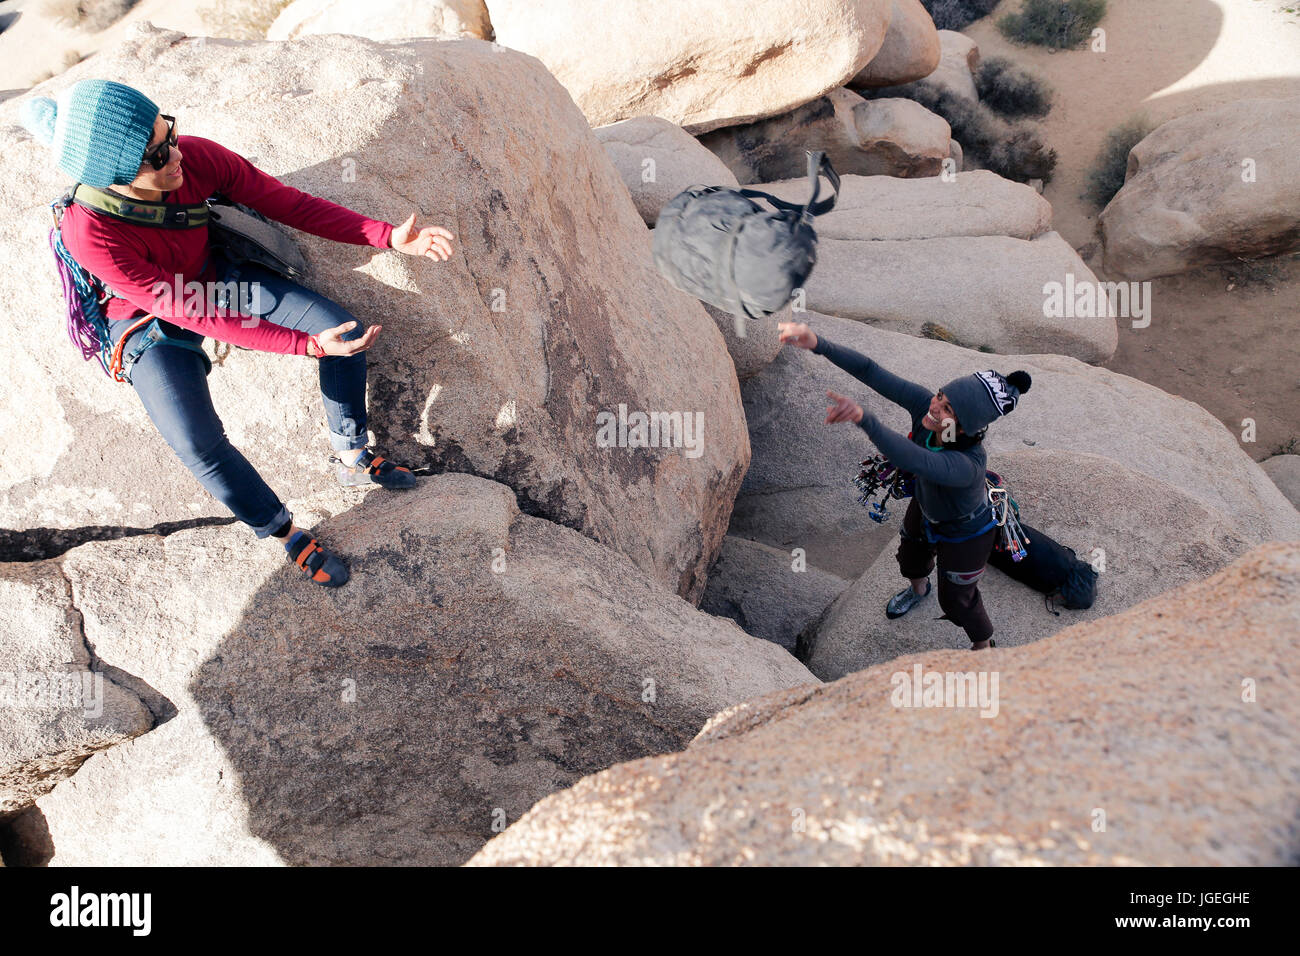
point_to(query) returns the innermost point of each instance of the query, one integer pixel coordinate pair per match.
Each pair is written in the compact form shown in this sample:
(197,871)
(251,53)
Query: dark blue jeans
(173,387)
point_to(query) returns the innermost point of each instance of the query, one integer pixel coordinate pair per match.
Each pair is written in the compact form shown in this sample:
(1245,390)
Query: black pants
(961,565)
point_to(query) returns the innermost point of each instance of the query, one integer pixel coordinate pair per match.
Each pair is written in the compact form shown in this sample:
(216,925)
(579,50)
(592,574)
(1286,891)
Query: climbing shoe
(905,600)
(320,565)
(372,469)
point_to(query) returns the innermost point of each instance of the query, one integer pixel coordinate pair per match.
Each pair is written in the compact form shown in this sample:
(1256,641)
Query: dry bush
(1111,167)
(1013,150)
(1057,24)
(242,19)
(89,15)
(1011,90)
(957,14)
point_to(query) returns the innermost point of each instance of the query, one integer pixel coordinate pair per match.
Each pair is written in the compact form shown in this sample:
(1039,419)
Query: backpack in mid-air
(722,247)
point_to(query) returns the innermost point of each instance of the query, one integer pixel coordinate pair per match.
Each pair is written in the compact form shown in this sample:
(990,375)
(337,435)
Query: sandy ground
(1234,353)
(1223,337)
(1164,58)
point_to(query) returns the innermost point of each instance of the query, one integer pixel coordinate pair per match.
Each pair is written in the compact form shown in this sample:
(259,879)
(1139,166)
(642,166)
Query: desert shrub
(1012,150)
(242,19)
(1022,156)
(89,15)
(932,330)
(957,14)
(1108,172)
(1059,24)
(1010,90)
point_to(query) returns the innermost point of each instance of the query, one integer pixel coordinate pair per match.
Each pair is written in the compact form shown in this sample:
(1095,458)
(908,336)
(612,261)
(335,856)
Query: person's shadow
(408,716)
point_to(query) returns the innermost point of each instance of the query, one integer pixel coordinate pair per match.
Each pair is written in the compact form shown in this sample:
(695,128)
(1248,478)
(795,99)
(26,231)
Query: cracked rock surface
(478,660)
(58,702)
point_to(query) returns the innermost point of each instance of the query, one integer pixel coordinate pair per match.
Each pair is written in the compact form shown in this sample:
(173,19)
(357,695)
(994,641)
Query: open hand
(432,241)
(798,334)
(842,410)
(333,343)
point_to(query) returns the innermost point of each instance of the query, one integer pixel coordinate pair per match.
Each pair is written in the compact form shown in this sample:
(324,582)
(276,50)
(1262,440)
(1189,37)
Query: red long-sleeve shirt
(133,260)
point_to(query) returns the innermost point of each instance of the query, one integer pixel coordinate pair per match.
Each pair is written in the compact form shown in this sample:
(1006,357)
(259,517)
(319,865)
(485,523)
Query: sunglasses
(157,158)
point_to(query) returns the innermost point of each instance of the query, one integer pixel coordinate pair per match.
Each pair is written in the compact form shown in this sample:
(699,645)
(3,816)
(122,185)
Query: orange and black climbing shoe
(373,469)
(321,565)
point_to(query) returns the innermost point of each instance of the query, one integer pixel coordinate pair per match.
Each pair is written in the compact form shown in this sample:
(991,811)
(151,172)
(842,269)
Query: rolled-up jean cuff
(264,531)
(348,442)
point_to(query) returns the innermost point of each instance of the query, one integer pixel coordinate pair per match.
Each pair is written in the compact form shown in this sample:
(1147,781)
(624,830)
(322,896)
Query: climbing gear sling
(235,233)
(86,296)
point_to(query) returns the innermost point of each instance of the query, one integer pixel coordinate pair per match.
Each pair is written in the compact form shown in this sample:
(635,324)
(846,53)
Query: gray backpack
(723,248)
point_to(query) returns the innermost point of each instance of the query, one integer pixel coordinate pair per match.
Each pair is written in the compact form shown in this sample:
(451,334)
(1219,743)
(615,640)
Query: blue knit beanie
(98,130)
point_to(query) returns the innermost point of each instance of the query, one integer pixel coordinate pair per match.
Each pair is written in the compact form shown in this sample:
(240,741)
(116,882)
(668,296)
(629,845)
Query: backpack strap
(124,209)
(727,271)
(818,165)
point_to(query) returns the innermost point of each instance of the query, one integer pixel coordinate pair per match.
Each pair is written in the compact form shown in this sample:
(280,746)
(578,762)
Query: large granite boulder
(478,660)
(703,64)
(382,19)
(978,203)
(58,703)
(987,291)
(752,343)
(1284,470)
(798,490)
(657,160)
(959,58)
(1166,735)
(879,137)
(771,594)
(1141,534)
(46,37)
(909,52)
(1209,187)
(498,362)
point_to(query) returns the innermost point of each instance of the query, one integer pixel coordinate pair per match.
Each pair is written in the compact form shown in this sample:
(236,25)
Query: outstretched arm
(942,468)
(244,183)
(239,180)
(896,389)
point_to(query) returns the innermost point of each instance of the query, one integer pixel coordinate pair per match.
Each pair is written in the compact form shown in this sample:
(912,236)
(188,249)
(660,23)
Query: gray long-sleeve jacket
(950,488)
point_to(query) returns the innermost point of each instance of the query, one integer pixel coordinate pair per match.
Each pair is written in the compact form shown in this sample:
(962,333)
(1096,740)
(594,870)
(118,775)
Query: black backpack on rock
(723,248)
(1050,567)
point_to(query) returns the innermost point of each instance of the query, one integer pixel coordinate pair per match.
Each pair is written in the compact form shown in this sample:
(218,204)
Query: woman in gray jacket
(949,516)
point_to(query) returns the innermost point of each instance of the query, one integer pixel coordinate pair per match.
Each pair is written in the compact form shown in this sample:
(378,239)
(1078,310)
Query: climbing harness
(879,481)
(235,233)
(120,365)
(86,296)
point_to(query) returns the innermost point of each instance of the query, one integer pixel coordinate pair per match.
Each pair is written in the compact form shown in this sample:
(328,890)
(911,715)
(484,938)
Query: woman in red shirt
(112,137)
